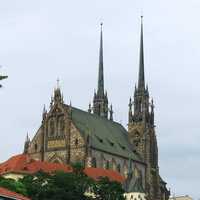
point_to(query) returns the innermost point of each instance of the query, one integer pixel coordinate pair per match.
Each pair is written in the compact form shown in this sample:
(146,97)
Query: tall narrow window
(61,129)
(125,170)
(107,164)
(51,128)
(114,166)
(119,168)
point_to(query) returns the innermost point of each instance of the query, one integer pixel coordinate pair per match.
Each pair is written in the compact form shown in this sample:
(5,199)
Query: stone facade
(59,140)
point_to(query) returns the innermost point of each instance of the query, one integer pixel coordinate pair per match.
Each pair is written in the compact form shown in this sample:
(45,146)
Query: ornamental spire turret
(111,112)
(26,144)
(44,113)
(58,97)
(130,114)
(100,100)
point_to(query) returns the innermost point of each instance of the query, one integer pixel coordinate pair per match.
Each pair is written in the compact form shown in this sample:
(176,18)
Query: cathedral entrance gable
(56,158)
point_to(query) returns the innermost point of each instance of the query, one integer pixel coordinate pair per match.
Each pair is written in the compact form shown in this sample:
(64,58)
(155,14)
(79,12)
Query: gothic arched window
(61,126)
(125,170)
(51,128)
(94,162)
(36,146)
(114,165)
(107,164)
(119,168)
(136,172)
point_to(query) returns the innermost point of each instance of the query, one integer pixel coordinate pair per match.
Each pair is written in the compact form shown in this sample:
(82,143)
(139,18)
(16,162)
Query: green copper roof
(136,186)
(104,134)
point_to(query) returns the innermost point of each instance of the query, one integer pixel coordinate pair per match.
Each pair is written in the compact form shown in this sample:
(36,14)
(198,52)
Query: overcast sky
(41,40)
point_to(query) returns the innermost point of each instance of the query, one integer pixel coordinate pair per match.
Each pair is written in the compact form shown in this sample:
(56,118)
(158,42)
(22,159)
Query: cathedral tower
(100,100)
(141,128)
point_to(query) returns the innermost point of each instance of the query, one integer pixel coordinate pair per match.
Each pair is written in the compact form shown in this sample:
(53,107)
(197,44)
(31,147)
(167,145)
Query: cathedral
(68,134)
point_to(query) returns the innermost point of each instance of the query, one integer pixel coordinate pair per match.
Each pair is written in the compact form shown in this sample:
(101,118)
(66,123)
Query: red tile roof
(24,164)
(13,195)
(97,173)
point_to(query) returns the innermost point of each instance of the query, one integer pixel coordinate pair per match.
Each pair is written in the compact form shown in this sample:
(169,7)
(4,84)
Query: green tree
(59,186)
(13,185)
(105,189)
(37,185)
(64,186)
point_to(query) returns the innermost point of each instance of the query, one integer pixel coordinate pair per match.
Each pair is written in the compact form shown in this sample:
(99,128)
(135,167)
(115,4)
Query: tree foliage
(64,186)
(15,186)
(109,190)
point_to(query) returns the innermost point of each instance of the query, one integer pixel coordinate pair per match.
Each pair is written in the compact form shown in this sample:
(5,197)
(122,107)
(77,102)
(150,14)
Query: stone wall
(77,145)
(116,163)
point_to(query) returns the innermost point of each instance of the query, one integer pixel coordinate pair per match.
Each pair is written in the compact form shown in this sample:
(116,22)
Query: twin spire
(100,101)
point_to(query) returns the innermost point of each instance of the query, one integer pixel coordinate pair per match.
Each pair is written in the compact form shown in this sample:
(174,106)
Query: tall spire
(100,100)
(100,90)
(141,94)
(141,78)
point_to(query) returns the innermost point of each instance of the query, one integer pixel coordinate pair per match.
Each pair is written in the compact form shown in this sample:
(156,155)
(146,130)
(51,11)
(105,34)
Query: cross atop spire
(141,78)
(100,90)
(58,83)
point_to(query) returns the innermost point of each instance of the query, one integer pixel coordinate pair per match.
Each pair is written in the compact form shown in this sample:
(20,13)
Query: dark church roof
(104,134)
(132,185)
(136,187)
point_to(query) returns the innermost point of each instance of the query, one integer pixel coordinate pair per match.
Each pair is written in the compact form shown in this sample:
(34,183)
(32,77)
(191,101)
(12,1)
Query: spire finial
(58,83)
(27,137)
(101,25)
(44,113)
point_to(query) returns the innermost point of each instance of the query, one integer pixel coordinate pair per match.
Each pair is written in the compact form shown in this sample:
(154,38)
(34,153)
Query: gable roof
(11,195)
(24,164)
(97,173)
(105,135)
